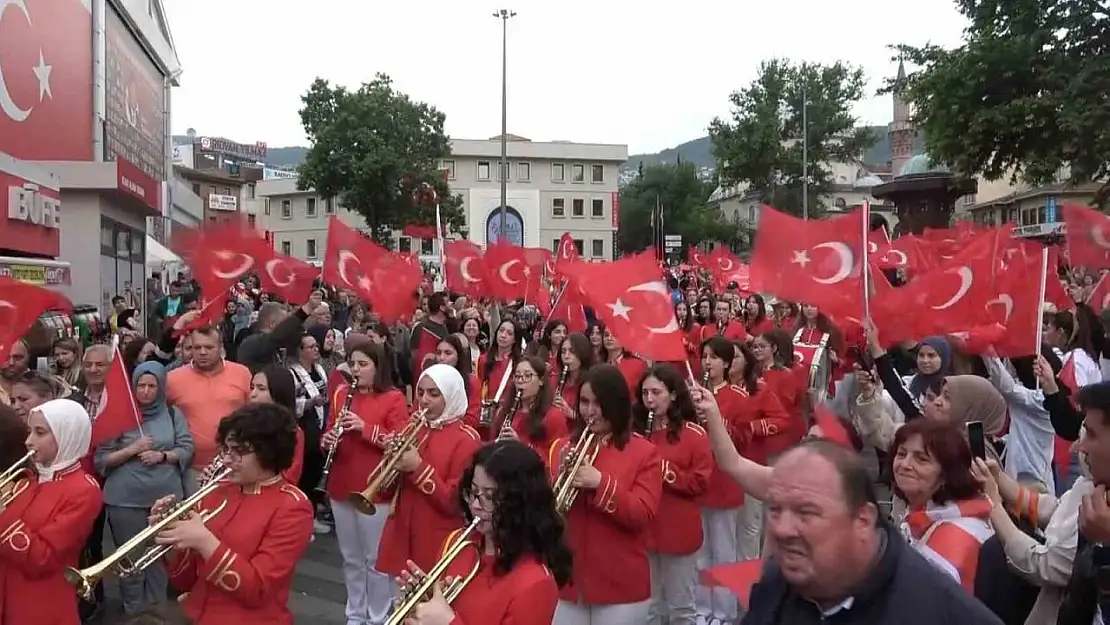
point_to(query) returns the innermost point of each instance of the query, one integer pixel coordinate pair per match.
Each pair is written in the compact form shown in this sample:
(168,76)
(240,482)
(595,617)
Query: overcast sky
(647,74)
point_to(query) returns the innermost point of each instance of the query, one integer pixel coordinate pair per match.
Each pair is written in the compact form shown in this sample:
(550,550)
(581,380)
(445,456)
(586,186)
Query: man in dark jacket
(834,561)
(275,330)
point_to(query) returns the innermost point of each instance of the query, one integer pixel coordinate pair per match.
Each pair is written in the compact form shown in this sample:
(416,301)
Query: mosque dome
(866,182)
(921,164)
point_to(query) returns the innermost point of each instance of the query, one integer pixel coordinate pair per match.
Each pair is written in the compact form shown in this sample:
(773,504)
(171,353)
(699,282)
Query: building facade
(552,188)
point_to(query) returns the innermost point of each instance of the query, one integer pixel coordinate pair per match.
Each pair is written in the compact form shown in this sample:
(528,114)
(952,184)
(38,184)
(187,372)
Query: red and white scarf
(949,536)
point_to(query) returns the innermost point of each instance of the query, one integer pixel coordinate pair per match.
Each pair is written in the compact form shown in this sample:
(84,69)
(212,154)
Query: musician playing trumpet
(44,529)
(522,559)
(237,567)
(377,411)
(609,520)
(425,509)
(534,421)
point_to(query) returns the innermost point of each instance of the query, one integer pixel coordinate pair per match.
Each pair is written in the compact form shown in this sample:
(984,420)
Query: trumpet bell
(14,490)
(362,503)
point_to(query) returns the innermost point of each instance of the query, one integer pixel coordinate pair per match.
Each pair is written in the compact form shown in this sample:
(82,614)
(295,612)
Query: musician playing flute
(237,567)
(377,411)
(43,530)
(534,421)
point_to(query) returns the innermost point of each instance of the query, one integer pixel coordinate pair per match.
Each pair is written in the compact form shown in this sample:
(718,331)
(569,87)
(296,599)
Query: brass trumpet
(584,451)
(322,486)
(385,475)
(15,480)
(86,579)
(507,424)
(412,596)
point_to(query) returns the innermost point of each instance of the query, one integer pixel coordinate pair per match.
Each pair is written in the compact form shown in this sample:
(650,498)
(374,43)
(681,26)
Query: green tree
(1024,96)
(760,147)
(682,196)
(374,149)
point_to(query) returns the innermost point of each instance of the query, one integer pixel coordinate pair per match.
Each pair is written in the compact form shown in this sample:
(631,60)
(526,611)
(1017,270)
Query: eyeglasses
(524,377)
(484,496)
(236,452)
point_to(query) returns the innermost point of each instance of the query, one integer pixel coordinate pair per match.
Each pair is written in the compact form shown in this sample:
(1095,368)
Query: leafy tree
(1024,96)
(375,149)
(682,196)
(760,147)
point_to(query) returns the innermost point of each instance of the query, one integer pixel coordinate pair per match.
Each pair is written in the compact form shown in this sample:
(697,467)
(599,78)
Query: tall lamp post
(805,144)
(504,15)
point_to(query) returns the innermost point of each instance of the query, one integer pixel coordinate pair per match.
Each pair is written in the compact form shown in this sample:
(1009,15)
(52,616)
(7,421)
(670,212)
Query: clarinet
(322,486)
(650,422)
(705,380)
(562,381)
(721,325)
(507,424)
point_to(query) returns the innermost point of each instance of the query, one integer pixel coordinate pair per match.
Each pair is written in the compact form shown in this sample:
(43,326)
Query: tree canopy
(760,147)
(374,149)
(1025,96)
(682,196)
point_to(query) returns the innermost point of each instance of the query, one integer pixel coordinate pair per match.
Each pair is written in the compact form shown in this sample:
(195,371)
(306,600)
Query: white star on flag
(800,258)
(42,71)
(364,283)
(619,309)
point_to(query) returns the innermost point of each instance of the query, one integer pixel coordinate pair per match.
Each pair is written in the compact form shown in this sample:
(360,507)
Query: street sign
(1050,210)
(672,241)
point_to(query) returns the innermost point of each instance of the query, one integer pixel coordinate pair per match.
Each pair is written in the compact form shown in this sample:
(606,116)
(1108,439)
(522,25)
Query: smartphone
(977,439)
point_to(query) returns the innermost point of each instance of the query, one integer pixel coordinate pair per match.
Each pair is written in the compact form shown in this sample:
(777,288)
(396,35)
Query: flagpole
(1040,304)
(442,251)
(866,269)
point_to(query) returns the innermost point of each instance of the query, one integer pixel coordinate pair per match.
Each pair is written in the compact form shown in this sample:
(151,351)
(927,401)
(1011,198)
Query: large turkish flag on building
(46,79)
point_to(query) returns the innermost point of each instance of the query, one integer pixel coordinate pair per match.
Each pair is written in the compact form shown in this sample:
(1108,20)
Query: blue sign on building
(513,229)
(1051,213)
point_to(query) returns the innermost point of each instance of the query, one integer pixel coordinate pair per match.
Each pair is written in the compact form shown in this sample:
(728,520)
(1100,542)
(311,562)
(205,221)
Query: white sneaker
(319,527)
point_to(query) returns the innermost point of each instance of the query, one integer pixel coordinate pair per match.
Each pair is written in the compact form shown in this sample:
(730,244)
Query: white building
(552,188)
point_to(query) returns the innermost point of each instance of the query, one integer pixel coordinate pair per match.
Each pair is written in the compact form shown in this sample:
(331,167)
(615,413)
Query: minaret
(901,130)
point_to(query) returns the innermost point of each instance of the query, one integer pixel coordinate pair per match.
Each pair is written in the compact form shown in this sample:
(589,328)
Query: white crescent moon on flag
(847,261)
(244,266)
(1099,238)
(798,357)
(724,264)
(660,289)
(567,247)
(1006,301)
(464,269)
(273,264)
(344,257)
(7,104)
(966,278)
(872,247)
(503,272)
(903,260)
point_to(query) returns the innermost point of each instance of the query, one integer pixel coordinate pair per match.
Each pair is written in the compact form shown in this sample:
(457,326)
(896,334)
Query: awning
(158,254)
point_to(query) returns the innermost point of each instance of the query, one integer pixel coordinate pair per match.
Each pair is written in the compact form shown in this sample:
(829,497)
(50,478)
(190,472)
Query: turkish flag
(45,80)
(630,296)
(725,268)
(738,577)
(117,411)
(567,308)
(509,273)
(465,272)
(1088,236)
(388,281)
(1100,296)
(289,278)
(568,251)
(21,305)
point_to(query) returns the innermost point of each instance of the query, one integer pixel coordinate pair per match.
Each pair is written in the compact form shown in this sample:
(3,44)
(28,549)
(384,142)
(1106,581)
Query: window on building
(250,220)
(196,189)
(287,248)
(266,206)
(969,199)
(578,173)
(558,172)
(329,206)
(225,191)
(555,245)
(578,207)
(286,209)
(580,247)
(598,208)
(524,172)
(598,248)
(426,247)
(310,207)
(597,173)
(558,207)
(449,167)
(310,248)
(483,170)
(250,191)
(404,245)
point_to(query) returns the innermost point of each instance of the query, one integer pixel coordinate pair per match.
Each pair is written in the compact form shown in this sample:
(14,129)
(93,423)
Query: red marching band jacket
(687,466)
(734,331)
(263,530)
(358,453)
(554,427)
(771,428)
(608,529)
(488,389)
(426,508)
(42,533)
(723,491)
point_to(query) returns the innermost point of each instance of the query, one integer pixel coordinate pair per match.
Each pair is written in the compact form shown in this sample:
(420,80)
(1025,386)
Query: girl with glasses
(535,421)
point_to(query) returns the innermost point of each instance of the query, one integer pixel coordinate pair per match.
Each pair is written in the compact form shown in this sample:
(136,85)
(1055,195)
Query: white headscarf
(72,429)
(451,386)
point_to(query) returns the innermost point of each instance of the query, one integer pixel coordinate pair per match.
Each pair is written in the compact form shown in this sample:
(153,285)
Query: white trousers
(749,530)
(718,547)
(612,614)
(673,583)
(369,593)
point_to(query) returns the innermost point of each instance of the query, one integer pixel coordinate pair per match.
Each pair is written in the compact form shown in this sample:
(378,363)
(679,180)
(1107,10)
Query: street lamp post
(805,144)
(504,15)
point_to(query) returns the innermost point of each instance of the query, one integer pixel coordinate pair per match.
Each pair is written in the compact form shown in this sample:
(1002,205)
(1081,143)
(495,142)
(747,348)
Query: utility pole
(504,15)
(805,144)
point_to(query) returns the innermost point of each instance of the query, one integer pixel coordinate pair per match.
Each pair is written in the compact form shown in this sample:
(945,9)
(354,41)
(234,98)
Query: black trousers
(93,553)
(313,461)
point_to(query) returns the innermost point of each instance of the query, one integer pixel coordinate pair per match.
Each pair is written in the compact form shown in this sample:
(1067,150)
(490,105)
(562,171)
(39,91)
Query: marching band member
(610,521)
(691,331)
(524,560)
(577,355)
(631,367)
(774,356)
(724,324)
(454,350)
(426,508)
(676,535)
(498,361)
(756,321)
(377,411)
(237,568)
(535,422)
(43,531)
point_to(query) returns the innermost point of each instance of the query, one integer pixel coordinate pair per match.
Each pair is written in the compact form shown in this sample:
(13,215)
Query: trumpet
(322,486)
(86,579)
(385,474)
(411,596)
(15,479)
(507,424)
(562,381)
(584,451)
